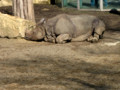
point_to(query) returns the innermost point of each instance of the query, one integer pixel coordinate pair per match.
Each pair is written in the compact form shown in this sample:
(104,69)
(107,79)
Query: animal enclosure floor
(28,65)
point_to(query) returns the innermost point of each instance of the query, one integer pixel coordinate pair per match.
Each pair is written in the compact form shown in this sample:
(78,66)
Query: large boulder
(12,27)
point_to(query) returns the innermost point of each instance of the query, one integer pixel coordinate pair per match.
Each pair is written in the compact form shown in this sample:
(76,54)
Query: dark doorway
(52,2)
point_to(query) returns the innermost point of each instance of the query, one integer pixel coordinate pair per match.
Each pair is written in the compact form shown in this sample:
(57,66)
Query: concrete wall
(42,1)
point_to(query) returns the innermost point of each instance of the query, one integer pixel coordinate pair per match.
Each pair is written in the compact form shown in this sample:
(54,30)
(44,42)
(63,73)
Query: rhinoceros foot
(63,38)
(92,39)
(52,40)
(49,38)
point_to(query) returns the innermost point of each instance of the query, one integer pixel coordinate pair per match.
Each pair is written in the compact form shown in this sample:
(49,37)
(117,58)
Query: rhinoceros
(63,28)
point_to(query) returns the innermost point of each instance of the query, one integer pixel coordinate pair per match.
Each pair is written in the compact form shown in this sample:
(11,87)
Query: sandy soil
(28,65)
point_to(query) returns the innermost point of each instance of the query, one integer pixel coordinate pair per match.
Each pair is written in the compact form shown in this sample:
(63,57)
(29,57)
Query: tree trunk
(24,9)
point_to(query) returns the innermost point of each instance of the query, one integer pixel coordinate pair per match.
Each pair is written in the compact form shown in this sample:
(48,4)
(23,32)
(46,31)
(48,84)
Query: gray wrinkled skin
(35,34)
(63,28)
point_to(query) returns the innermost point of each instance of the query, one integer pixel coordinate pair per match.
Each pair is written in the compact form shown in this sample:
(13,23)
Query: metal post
(64,3)
(101,5)
(79,4)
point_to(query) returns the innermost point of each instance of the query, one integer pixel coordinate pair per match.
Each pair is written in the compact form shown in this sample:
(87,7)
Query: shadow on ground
(60,72)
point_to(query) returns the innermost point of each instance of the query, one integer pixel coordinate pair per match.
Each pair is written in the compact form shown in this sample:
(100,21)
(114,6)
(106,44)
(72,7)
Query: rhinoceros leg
(63,38)
(95,37)
(49,39)
(50,36)
(98,30)
(82,37)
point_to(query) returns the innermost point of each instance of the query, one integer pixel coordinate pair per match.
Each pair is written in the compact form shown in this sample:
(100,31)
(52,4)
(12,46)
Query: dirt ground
(28,65)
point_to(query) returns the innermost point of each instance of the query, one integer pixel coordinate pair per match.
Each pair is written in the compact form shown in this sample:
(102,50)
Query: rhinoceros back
(83,24)
(64,26)
(74,25)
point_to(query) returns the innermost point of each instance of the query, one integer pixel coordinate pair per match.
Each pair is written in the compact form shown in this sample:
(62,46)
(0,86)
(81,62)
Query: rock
(12,27)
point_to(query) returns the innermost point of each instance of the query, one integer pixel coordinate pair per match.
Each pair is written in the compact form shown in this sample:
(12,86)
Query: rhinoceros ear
(43,21)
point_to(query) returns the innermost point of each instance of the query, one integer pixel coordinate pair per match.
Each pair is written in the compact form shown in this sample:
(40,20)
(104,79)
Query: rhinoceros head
(36,33)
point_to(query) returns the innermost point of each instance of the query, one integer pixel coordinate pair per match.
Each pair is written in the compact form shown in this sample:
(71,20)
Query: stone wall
(9,2)
(42,1)
(13,27)
(5,2)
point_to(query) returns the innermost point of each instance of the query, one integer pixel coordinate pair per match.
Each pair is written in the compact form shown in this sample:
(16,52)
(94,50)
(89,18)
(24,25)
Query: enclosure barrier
(98,5)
